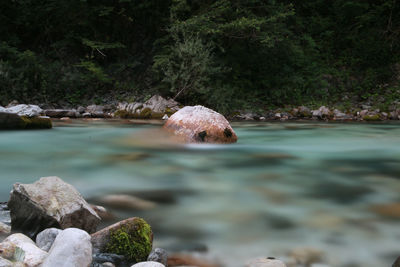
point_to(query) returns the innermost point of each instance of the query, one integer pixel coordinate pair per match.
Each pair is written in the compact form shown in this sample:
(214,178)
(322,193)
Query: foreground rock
(71,247)
(49,202)
(199,124)
(46,238)
(12,121)
(131,238)
(265,262)
(20,248)
(158,255)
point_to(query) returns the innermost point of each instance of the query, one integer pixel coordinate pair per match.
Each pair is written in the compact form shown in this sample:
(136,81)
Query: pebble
(158,255)
(265,262)
(148,264)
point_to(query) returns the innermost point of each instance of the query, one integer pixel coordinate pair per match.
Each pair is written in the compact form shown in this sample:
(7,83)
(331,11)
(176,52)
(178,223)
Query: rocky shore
(26,116)
(48,223)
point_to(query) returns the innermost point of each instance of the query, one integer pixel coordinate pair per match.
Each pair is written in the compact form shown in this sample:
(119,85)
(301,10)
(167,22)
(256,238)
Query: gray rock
(158,255)
(4,228)
(304,112)
(107,264)
(101,258)
(94,109)
(45,238)
(12,103)
(265,262)
(148,264)
(5,263)
(20,248)
(165,117)
(25,110)
(159,104)
(86,115)
(81,109)
(2,109)
(72,247)
(59,113)
(394,115)
(49,202)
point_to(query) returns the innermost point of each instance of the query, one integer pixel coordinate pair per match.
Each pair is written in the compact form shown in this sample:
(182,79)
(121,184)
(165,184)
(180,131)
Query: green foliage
(132,241)
(226,54)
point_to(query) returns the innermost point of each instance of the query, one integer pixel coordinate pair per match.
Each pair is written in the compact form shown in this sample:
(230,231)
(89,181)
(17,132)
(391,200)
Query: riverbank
(159,108)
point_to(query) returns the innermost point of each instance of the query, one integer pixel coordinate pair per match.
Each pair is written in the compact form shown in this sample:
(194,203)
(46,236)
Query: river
(333,187)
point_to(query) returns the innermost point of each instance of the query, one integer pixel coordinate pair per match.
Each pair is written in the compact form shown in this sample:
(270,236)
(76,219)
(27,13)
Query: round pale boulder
(198,124)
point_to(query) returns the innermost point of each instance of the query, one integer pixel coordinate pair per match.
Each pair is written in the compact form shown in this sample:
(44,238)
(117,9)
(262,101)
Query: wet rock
(25,110)
(49,202)
(103,213)
(158,255)
(304,112)
(102,258)
(60,113)
(148,264)
(71,247)
(10,121)
(307,256)
(265,262)
(161,105)
(5,263)
(131,238)
(126,202)
(46,238)
(199,124)
(80,110)
(189,260)
(20,248)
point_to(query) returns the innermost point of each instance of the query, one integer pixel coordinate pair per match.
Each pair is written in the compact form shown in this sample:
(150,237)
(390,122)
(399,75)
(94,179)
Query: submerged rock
(131,238)
(199,124)
(49,202)
(20,248)
(71,247)
(122,201)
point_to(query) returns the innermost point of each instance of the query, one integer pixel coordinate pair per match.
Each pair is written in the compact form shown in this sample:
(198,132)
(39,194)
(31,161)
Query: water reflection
(283,186)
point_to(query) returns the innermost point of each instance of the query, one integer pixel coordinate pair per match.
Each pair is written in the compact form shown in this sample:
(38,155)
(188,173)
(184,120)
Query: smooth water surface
(331,187)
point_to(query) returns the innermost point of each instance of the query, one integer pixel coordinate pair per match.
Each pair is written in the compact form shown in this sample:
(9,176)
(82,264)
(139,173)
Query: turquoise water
(282,186)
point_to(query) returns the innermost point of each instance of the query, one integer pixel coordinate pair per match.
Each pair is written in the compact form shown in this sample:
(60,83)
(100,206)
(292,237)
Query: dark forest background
(226,54)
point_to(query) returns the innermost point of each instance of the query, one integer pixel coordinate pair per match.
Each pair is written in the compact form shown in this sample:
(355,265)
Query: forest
(225,54)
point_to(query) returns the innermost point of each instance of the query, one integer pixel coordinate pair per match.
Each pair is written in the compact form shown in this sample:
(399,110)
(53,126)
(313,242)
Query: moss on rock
(372,117)
(37,123)
(133,240)
(123,114)
(145,113)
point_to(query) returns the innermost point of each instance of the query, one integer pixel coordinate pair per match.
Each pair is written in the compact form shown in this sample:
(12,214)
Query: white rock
(45,238)
(72,247)
(165,117)
(2,109)
(265,262)
(25,250)
(25,110)
(5,263)
(148,264)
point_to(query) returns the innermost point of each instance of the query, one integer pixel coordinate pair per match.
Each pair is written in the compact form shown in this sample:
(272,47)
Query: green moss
(371,117)
(134,241)
(145,113)
(169,112)
(36,123)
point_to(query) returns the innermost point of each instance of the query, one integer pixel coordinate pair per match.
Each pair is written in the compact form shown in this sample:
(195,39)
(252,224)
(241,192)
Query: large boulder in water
(199,124)
(11,121)
(49,202)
